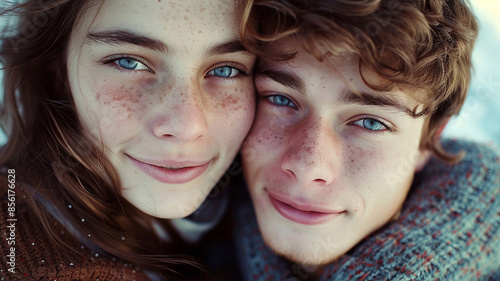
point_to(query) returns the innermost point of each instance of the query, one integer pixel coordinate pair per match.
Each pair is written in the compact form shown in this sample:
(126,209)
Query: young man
(352,97)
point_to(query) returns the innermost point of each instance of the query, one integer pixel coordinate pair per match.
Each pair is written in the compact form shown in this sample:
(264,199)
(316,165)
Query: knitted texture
(449,229)
(37,259)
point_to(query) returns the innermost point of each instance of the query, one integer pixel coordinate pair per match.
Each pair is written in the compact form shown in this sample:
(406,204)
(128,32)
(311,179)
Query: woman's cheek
(233,106)
(114,104)
(119,107)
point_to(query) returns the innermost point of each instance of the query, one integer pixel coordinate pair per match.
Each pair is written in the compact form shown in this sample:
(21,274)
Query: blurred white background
(479,119)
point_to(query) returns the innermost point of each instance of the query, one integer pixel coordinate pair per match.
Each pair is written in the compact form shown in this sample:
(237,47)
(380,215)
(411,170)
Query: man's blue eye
(224,71)
(281,101)
(371,124)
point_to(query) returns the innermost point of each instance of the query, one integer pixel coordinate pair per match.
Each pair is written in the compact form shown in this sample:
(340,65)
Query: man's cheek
(271,132)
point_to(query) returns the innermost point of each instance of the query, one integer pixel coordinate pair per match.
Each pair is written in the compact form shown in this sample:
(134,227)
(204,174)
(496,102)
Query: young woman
(119,114)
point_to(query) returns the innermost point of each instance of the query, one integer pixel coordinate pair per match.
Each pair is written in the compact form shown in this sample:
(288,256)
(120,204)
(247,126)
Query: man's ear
(440,129)
(426,154)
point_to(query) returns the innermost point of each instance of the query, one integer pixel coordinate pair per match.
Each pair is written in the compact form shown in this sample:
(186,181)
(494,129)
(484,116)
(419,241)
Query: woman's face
(165,87)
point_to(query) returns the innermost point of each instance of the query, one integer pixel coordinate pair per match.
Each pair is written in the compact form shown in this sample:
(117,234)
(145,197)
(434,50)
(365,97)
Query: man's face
(324,167)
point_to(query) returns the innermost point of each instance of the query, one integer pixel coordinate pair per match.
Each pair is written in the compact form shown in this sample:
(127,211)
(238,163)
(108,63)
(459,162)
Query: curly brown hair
(422,46)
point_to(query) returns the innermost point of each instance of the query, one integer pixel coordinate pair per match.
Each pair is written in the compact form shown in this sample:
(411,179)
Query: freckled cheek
(262,150)
(120,103)
(366,165)
(358,159)
(378,172)
(123,99)
(235,106)
(269,132)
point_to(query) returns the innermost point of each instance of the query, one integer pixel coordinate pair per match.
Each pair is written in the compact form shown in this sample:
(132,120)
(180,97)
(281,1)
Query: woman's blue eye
(281,101)
(371,124)
(127,63)
(130,64)
(224,71)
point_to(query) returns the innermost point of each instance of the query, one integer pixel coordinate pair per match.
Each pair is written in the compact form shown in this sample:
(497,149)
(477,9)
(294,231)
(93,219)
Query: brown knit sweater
(27,254)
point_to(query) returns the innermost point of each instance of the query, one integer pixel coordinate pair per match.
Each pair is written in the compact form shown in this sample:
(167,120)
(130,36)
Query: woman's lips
(174,172)
(302,216)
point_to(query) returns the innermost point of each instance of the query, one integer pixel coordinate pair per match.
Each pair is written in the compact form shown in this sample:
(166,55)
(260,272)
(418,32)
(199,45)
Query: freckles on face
(312,142)
(268,134)
(359,160)
(189,16)
(229,101)
(145,77)
(233,105)
(364,172)
(117,103)
(379,175)
(368,167)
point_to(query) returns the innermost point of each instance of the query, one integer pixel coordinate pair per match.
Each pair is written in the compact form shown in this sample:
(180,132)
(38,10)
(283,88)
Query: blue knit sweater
(449,229)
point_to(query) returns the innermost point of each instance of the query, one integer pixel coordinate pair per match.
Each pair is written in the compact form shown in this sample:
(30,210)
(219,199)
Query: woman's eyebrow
(113,37)
(227,47)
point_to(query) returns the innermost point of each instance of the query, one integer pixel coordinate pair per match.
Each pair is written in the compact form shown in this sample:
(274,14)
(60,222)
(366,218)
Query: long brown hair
(50,152)
(423,46)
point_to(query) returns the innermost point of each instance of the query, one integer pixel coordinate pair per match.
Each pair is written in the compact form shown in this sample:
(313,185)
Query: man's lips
(174,172)
(302,212)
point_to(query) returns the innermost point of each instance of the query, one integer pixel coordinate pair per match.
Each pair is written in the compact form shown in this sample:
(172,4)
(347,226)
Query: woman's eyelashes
(226,71)
(127,63)
(132,63)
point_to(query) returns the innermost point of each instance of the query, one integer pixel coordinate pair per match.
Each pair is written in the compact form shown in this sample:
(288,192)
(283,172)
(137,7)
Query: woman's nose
(183,116)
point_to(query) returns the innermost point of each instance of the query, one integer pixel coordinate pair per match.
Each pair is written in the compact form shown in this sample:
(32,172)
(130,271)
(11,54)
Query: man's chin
(309,261)
(307,258)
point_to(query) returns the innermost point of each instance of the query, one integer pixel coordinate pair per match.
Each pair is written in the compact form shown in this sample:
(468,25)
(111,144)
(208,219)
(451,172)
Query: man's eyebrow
(285,78)
(364,98)
(228,47)
(113,37)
